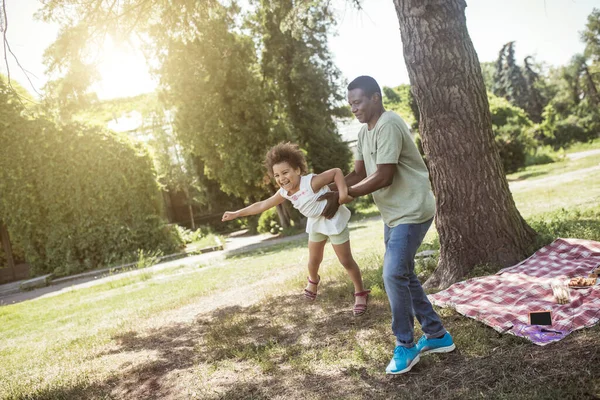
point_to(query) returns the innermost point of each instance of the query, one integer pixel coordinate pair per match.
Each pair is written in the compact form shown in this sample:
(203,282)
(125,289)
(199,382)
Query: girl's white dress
(305,201)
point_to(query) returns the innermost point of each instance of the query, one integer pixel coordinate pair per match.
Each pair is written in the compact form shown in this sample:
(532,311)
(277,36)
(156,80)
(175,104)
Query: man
(389,166)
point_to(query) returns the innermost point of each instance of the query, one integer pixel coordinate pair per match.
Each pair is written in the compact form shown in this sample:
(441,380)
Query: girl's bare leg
(344,254)
(315,256)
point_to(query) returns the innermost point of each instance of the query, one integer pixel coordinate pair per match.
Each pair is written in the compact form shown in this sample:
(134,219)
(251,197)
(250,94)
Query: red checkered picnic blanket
(503,301)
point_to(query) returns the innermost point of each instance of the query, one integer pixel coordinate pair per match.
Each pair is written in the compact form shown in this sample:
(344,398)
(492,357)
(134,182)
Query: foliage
(269,222)
(17,252)
(231,134)
(518,85)
(542,155)
(299,77)
(488,70)
(256,80)
(509,81)
(513,133)
(566,122)
(190,236)
(401,100)
(76,197)
(535,102)
(591,36)
(178,171)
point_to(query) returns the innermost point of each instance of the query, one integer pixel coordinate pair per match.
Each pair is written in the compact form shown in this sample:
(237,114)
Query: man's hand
(332,206)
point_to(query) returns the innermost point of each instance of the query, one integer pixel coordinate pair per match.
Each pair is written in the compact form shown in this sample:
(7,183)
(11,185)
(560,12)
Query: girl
(285,162)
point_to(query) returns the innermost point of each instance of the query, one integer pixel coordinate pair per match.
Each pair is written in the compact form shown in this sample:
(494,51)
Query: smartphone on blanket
(540,318)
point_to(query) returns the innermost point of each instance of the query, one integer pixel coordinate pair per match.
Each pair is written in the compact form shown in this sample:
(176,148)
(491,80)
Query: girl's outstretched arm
(333,175)
(256,208)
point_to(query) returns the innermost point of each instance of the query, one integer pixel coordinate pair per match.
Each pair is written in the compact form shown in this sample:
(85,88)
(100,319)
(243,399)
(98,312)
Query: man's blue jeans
(403,288)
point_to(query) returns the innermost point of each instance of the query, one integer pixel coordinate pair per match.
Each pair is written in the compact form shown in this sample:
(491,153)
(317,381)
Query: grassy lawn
(237,329)
(559,167)
(591,145)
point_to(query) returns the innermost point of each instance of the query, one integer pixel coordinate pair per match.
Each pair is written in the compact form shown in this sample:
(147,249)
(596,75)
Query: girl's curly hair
(286,152)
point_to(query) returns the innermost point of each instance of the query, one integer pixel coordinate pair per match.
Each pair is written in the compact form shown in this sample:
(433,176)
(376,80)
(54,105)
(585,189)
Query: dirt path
(234,245)
(583,154)
(554,179)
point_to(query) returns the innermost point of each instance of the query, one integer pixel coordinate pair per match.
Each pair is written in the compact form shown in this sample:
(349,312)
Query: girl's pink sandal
(307,293)
(360,309)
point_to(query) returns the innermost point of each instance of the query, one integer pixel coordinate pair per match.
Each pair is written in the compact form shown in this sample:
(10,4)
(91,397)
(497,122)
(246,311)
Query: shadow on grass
(284,347)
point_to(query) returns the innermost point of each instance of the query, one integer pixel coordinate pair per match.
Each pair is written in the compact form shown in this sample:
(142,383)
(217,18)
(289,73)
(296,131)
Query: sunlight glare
(123,72)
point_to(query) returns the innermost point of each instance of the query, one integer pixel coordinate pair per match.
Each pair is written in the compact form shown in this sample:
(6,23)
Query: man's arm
(383,176)
(333,198)
(358,174)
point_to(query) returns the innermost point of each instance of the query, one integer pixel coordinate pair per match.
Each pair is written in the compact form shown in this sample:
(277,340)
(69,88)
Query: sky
(368,41)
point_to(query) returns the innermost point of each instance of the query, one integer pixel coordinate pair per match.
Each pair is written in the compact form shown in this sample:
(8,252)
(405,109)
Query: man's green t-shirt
(409,199)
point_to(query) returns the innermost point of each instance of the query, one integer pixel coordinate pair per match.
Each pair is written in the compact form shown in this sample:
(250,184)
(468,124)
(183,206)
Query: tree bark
(284,216)
(7,249)
(190,209)
(476,218)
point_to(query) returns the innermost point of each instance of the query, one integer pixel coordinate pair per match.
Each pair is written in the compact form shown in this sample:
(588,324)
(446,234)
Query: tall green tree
(222,114)
(509,80)
(535,101)
(591,36)
(300,77)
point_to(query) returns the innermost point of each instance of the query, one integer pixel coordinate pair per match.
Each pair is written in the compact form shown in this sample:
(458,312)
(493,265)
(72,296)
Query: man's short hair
(368,85)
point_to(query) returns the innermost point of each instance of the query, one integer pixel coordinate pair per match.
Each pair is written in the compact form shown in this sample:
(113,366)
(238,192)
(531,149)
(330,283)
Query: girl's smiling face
(287,177)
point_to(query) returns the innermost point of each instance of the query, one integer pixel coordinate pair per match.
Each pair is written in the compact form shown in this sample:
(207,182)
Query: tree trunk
(284,215)
(190,209)
(476,218)
(7,249)
(594,97)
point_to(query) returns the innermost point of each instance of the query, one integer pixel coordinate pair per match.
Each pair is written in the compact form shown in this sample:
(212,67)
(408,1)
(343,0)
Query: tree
(518,85)
(401,101)
(535,102)
(509,81)
(300,79)
(476,219)
(591,36)
(300,76)
(236,88)
(222,115)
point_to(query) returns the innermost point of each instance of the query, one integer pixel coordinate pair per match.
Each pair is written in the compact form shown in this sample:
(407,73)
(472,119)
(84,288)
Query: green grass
(138,336)
(559,167)
(578,147)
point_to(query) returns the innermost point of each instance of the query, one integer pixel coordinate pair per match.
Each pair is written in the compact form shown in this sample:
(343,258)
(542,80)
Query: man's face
(363,106)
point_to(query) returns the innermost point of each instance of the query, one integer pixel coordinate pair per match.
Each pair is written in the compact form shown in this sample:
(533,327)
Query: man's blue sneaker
(445,344)
(404,359)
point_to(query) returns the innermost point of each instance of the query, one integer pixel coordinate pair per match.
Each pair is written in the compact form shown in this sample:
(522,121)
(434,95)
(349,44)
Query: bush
(565,132)
(513,133)
(189,236)
(269,222)
(74,197)
(543,155)
(582,125)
